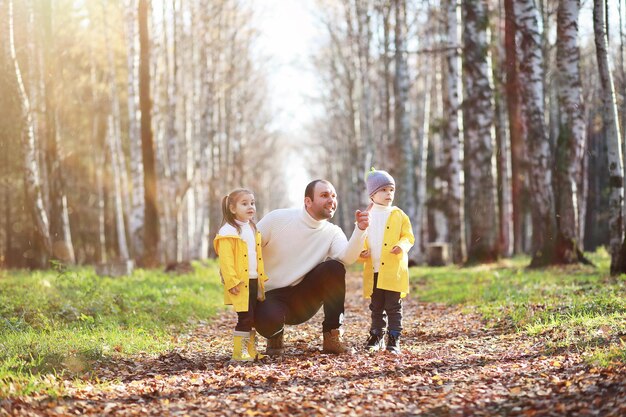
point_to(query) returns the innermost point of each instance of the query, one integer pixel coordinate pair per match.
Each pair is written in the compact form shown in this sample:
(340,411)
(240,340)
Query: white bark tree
(478,119)
(117,157)
(453,141)
(62,247)
(613,141)
(136,216)
(32,176)
(403,166)
(538,145)
(572,133)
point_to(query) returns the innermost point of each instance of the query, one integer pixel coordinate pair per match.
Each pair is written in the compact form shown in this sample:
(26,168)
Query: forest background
(124,123)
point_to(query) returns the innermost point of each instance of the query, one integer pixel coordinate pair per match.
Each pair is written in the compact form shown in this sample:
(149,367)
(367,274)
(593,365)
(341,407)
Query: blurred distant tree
(613,141)
(151,226)
(41,250)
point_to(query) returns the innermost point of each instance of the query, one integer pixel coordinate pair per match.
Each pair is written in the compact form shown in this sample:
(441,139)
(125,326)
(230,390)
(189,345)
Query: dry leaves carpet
(452,365)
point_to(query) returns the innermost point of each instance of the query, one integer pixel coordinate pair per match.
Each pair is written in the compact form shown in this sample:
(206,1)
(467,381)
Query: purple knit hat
(376,180)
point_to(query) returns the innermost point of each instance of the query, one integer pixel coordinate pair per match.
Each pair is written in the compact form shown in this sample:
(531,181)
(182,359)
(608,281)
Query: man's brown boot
(275,345)
(333,342)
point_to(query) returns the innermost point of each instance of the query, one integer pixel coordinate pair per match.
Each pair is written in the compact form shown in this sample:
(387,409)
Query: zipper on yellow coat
(393,272)
(233,262)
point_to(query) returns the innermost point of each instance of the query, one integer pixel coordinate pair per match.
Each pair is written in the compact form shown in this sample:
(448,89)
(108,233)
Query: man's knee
(269,319)
(333,268)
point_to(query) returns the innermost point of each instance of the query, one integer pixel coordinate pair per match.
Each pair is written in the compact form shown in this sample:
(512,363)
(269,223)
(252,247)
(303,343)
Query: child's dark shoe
(393,342)
(375,341)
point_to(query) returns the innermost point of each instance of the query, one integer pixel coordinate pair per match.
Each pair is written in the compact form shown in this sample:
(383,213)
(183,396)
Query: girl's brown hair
(231,199)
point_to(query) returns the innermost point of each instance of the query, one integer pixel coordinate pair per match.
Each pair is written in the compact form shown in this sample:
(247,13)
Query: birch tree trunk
(613,138)
(572,133)
(404,172)
(505,204)
(200,239)
(151,226)
(452,97)
(386,135)
(118,205)
(32,176)
(438,228)
(622,72)
(118,166)
(62,247)
(503,154)
(168,143)
(97,141)
(364,35)
(421,175)
(539,154)
(136,216)
(478,135)
(100,202)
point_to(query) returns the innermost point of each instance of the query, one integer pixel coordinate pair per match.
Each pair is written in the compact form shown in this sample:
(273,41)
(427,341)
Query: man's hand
(363,217)
(235,290)
(396,250)
(365,253)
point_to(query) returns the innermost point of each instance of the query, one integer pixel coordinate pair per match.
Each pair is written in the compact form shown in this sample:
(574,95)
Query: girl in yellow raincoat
(238,246)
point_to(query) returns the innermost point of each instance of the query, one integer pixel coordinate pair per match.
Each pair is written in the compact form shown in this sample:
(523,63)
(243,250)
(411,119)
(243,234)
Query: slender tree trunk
(421,175)
(386,142)
(516,127)
(136,216)
(404,172)
(571,138)
(622,71)
(98,132)
(452,140)
(118,167)
(365,105)
(479,143)
(151,227)
(32,177)
(437,201)
(613,138)
(62,248)
(503,154)
(122,244)
(539,154)
(505,204)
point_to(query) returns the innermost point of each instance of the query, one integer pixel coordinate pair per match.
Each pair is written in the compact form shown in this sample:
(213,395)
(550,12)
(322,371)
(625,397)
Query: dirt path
(452,365)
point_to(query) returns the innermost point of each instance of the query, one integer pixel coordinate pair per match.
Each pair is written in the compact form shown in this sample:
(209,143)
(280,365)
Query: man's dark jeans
(323,285)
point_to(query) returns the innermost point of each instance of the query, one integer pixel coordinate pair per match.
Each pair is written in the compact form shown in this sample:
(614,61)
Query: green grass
(54,323)
(572,307)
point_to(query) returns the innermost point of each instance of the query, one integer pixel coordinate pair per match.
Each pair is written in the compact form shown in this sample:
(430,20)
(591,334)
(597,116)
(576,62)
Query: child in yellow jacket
(386,269)
(238,245)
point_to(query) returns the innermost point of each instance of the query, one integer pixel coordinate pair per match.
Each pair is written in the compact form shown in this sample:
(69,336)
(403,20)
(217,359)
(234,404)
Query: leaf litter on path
(451,365)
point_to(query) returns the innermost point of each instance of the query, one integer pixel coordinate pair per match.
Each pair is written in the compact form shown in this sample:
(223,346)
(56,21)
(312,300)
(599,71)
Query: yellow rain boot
(252,346)
(240,347)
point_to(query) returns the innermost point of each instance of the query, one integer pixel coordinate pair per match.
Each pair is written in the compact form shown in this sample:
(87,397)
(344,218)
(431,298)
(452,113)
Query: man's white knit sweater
(294,243)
